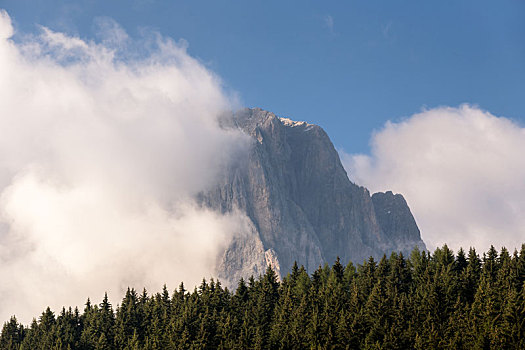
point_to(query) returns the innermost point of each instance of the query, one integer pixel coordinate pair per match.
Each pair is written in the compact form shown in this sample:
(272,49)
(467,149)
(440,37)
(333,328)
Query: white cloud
(99,160)
(461,170)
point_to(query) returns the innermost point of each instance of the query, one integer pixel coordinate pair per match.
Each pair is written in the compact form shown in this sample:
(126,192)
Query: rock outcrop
(300,203)
(396,221)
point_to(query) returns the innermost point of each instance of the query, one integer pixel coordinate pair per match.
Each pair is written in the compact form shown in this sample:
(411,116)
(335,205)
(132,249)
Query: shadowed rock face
(300,203)
(396,221)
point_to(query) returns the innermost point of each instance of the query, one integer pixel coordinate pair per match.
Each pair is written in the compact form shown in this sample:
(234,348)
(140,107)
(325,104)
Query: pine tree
(31,340)
(106,320)
(102,343)
(128,319)
(133,343)
(267,296)
(46,329)
(376,315)
(12,335)
(68,328)
(461,261)
(513,323)
(469,278)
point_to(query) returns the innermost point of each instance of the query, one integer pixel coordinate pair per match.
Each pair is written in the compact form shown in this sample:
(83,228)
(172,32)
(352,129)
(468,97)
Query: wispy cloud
(386,28)
(329,23)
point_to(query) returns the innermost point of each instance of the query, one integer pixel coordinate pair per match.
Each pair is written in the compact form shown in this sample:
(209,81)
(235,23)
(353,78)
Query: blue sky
(348,66)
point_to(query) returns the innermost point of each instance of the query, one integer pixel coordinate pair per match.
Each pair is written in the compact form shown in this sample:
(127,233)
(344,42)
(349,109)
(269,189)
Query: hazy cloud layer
(462,171)
(101,151)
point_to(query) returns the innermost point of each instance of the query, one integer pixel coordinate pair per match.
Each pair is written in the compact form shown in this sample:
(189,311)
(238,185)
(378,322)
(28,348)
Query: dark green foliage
(429,301)
(12,335)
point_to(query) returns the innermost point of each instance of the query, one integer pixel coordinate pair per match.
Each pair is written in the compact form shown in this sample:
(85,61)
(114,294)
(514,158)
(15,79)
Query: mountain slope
(301,205)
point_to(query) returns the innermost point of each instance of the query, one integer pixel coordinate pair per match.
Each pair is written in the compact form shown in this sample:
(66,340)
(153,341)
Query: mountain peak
(293,123)
(300,204)
(250,118)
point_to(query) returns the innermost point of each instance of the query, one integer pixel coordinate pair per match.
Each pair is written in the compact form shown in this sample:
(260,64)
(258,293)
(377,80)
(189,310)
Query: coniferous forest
(428,301)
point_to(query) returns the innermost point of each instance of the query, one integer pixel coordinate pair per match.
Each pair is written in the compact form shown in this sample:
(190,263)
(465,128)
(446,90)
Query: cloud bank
(101,152)
(461,170)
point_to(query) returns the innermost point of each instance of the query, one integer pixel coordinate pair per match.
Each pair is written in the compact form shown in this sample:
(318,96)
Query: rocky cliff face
(300,203)
(396,221)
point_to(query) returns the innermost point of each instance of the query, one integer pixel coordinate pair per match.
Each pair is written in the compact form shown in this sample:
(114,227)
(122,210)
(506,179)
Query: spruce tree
(12,335)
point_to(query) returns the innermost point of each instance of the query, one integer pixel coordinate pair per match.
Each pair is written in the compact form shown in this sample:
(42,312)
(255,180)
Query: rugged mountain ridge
(300,203)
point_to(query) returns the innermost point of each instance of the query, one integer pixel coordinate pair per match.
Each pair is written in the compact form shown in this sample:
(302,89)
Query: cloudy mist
(101,152)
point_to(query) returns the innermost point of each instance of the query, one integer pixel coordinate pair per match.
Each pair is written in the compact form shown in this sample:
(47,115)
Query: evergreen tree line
(428,301)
